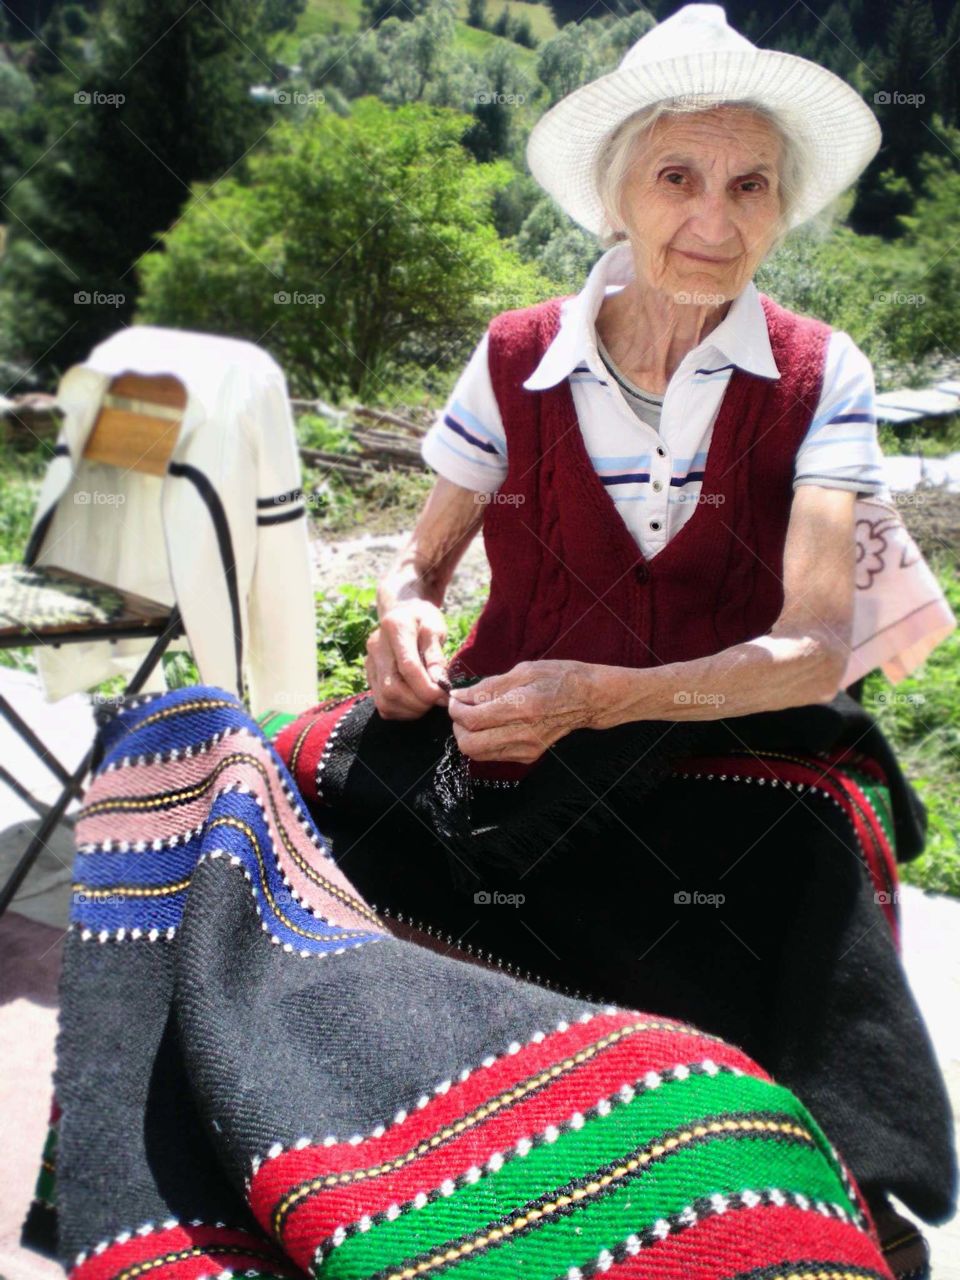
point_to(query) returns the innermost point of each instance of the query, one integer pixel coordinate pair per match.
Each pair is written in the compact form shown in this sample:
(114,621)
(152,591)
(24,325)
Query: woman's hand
(404,659)
(518,715)
(405,652)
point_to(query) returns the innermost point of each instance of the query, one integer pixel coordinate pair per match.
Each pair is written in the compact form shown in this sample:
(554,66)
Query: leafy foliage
(360,246)
(126,117)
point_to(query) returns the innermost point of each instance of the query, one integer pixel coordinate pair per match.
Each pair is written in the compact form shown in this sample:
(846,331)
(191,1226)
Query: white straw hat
(695,52)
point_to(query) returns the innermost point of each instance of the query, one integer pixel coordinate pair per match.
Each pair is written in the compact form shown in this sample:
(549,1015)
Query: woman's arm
(518,715)
(405,652)
(801,660)
(424,567)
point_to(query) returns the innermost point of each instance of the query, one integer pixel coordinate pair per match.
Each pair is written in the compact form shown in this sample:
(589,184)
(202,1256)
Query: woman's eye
(673,174)
(753,183)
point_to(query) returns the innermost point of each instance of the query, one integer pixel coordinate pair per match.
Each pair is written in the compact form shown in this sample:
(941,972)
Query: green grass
(343,624)
(21,471)
(383,502)
(921,718)
(929,437)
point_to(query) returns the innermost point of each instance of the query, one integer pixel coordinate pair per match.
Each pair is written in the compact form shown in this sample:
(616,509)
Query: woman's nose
(712,224)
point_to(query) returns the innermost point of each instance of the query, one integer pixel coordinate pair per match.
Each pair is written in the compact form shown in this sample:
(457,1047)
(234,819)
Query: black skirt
(615,871)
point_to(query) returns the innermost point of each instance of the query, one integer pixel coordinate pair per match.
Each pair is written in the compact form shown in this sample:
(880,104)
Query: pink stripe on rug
(337,901)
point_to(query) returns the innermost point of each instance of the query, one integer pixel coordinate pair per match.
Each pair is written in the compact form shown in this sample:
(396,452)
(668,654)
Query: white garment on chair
(223,532)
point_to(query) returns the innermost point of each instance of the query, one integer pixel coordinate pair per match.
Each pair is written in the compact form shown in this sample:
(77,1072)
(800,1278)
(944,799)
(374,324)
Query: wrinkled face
(701,202)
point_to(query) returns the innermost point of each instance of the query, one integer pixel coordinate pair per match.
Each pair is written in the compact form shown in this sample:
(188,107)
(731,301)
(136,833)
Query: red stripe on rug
(318,1214)
(732,1243)
(301,743)
(184,1253)
(578,1089)
(662,1045)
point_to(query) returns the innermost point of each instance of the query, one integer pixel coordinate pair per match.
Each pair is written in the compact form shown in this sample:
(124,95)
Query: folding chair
(135,430)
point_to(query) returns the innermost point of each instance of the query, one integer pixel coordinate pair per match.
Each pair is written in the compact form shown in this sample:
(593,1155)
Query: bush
(361,246)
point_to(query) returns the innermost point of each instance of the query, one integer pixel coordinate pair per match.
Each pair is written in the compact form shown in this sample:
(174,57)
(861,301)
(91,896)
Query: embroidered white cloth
(900,612)
(224,531)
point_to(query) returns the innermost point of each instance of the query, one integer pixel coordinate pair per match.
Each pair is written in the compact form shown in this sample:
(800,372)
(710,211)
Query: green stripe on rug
(45,1189)
(271,722)
(664,1190)
(579,1153)
(878,795)
(601,1221)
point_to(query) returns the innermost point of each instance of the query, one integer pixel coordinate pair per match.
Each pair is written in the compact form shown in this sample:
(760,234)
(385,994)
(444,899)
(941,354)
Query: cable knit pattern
(569,580)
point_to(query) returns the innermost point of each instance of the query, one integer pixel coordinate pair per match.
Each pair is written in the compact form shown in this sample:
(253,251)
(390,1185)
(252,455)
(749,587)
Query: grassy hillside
(322,17)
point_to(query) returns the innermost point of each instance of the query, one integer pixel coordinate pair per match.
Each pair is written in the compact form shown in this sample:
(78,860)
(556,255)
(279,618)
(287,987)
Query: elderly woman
(666,468)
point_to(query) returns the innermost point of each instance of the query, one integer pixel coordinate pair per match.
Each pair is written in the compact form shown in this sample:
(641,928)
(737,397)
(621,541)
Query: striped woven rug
(259,1075)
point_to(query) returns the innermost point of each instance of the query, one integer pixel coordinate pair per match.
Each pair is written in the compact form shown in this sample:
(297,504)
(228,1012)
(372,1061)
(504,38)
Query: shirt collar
(741,337)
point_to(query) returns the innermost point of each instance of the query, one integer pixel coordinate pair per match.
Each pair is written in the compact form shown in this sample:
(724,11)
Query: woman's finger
(431,647)
(392,695)
(488,711)
(402,637)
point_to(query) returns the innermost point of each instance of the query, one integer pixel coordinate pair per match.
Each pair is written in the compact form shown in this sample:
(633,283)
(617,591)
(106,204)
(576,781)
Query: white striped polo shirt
(654,477)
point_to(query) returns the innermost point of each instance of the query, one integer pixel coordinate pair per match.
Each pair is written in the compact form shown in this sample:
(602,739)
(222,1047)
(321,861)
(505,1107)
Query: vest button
(641,572)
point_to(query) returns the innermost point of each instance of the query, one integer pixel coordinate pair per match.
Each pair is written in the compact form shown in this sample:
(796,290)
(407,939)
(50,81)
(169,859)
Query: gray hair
(614,159)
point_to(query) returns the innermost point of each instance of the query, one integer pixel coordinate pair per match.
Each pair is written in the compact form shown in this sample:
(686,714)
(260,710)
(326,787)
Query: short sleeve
(841,449)
(467,443)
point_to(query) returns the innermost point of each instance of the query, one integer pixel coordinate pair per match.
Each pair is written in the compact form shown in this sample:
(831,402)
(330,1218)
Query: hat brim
(822,110)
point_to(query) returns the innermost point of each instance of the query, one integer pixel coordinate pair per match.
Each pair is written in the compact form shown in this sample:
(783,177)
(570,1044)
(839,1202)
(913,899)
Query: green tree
(359,250)
(947,71)
(904,101)
(162,101)
(931,233)
(501,22)
(374,12)
(504,87)
(566,61)
(16,95)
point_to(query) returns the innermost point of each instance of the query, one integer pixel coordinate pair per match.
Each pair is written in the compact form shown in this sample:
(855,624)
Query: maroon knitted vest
(568,579)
